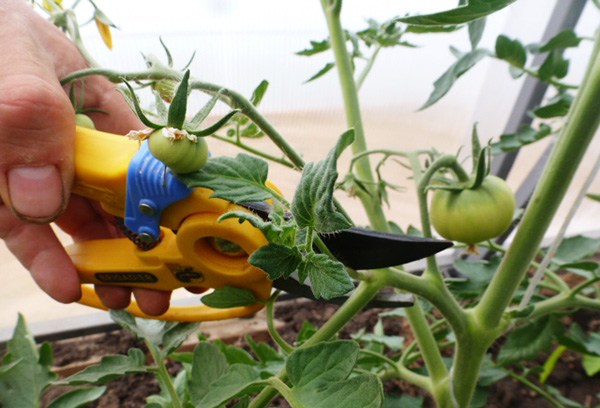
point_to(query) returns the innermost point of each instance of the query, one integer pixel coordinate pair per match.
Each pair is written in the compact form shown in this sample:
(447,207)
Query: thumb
(37,129)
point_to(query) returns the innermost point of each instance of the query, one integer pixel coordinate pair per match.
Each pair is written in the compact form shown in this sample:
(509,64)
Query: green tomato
(181,155)
(473,215)
(84,120)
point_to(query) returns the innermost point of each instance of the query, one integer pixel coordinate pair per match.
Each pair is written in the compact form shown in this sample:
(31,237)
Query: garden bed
(73,355)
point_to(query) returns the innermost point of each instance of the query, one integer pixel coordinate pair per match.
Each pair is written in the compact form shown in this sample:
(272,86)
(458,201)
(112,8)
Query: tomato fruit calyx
(474,214)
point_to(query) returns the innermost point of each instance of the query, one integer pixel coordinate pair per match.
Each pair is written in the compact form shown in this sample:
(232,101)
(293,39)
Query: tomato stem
(574,139)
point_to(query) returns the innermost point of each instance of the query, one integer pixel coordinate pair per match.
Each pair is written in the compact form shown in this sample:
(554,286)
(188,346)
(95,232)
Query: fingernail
(36,193)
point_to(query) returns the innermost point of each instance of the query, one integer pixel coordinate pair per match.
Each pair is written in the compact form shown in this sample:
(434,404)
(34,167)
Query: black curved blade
(361,248)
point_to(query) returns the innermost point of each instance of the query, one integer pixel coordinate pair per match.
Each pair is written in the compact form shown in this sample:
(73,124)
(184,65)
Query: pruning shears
(174,239)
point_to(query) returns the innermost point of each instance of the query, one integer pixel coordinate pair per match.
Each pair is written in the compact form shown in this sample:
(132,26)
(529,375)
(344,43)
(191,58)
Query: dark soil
(129,392)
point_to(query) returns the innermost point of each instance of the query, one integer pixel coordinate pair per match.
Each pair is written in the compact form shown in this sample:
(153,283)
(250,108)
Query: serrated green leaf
(554,66)
(514,141)
(478,276)
(320,377)
(443,84)
(591,365)
(238,381)
(259,93)
(235,355)
(228,297)
(263,351)
(313,205)
(576,248)
(240,179)
(315,48)
(562,40)
(209,364)
(527,341)
(109,368)
(279,261)
(319,365)
(178,107)
(417,29)
(511,51)
(306,332)
(473,10)
(77,398)
(328,67)
(27,374)
(556,107)
(164,336)
(328,278)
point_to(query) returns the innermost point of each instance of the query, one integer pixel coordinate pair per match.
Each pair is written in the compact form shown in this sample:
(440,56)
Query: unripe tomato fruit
(181,155)
(473,215)
(85,121)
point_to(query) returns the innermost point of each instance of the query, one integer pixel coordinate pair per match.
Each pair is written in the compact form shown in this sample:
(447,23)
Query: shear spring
(135,238)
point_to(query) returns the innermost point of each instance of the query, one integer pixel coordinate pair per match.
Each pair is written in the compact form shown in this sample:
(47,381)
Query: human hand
(37,133)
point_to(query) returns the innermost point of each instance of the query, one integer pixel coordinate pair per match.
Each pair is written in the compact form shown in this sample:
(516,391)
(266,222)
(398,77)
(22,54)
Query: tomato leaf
(443,84)
(473,10)
(476,29)
(477,274)
(527,341)
(556,107)
(316,47)
(24,372)
(555,65)
(79,397)
(328,278)
(312,205)
(320,375)
(214,380)
(562,40)
(576,248)
(576,340)
(328,67)
(228,297)
(164,336)
(279,261)
(511,51)
(263,351)
(240,179)
(109,368)
(513,141)
(259,92)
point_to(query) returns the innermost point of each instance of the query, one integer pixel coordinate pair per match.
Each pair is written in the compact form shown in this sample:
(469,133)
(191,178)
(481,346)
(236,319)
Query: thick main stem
(364,172)
(573,142)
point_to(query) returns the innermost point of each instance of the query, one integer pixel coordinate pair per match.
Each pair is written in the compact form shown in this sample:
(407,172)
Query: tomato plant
(462,317)
(475,214)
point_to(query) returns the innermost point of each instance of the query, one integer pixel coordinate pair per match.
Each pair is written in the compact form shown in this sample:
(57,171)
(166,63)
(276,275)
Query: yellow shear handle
(175,313)
(190,258)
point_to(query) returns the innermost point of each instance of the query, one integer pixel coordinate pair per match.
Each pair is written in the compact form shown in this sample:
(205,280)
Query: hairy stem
(576,135)
(345,71)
